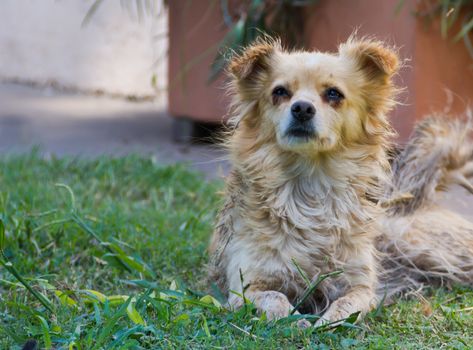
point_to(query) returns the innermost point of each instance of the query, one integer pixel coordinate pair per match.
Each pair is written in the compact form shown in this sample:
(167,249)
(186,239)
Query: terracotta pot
(433,64)
(195,29)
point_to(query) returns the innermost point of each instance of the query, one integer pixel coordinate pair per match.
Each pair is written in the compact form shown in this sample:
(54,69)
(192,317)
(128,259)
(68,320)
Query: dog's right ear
(374,58)
(253,61)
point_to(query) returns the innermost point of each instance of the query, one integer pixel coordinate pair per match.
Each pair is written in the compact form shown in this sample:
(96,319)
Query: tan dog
(311,185)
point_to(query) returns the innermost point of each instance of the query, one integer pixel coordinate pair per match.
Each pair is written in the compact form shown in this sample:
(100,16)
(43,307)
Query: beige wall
(117,52)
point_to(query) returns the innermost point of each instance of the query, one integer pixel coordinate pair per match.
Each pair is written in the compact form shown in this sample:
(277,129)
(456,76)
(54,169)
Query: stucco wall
(117,51)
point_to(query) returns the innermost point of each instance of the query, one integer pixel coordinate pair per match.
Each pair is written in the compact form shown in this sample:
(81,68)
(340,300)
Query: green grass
(137,233)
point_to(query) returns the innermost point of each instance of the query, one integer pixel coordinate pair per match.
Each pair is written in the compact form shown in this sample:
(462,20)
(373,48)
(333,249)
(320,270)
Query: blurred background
(145,76)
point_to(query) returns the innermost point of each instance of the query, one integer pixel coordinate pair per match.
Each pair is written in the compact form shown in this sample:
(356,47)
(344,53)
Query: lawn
(113,253)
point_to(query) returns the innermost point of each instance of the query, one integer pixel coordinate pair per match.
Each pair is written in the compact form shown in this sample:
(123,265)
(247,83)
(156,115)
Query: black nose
(302,111)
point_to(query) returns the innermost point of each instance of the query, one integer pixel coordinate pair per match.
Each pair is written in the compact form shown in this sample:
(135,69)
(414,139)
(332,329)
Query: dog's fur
(328,200)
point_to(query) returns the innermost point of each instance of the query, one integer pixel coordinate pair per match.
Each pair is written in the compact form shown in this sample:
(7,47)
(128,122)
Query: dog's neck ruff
(324,195)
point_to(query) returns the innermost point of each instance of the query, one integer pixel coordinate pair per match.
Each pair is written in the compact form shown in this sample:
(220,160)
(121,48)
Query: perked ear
(372,57)
(377,62)
(254,60)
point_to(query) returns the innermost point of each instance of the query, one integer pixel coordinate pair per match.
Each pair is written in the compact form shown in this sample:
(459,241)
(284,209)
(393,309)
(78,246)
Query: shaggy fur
(325,200)
(423,242)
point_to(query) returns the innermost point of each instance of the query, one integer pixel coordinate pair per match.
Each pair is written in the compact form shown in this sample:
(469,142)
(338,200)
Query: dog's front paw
(274,304)
(321,322)
(303,323)
(338,311)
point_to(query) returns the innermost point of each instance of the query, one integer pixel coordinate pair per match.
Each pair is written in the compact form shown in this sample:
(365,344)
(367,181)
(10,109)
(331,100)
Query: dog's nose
(302,111)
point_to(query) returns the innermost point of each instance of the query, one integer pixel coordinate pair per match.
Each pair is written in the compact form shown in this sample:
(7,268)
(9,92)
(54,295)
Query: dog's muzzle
(302,123)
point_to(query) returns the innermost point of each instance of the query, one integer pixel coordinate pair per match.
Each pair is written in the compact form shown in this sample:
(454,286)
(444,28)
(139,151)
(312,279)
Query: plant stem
(313,286)
(10,268)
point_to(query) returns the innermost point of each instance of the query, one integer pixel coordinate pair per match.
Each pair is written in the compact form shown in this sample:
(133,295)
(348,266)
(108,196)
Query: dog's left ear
(375,59)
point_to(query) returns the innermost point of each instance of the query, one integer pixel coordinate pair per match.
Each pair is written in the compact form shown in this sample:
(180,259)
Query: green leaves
(110,324)
(93,296)
(449,12)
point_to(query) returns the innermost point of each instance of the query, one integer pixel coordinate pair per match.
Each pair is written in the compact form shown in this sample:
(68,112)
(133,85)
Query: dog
(314,190)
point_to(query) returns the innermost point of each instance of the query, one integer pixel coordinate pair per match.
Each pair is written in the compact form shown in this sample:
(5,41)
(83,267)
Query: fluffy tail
(423,242)
(439,154)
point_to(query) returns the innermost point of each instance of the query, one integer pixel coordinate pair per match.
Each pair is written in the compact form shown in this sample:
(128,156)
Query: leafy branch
(450,12)
(258,17)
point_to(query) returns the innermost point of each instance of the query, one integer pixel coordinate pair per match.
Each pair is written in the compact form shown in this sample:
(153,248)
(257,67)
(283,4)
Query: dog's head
(313,102)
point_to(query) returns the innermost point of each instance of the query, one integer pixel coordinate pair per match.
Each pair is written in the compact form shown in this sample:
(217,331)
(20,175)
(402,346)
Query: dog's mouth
(301,132)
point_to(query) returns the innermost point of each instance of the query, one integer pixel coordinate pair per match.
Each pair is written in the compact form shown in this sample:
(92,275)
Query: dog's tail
(439,154)
(422,241)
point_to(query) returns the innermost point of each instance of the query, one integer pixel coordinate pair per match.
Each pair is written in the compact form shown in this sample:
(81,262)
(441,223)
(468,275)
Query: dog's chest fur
(304,216)
(312,219)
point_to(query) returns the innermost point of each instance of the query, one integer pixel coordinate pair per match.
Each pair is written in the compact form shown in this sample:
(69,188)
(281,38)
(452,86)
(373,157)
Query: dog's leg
(360,272)
(358,299)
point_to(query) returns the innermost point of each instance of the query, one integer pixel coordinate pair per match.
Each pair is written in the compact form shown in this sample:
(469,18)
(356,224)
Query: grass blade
(90,13)
(301,272)
(91,232)
(71,195)
(466,28)
(2,236)
(45,329)
(134,315)
(312,288)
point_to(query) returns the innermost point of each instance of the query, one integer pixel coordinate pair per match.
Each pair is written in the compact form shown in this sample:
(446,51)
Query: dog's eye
(280,91)
(333,95)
